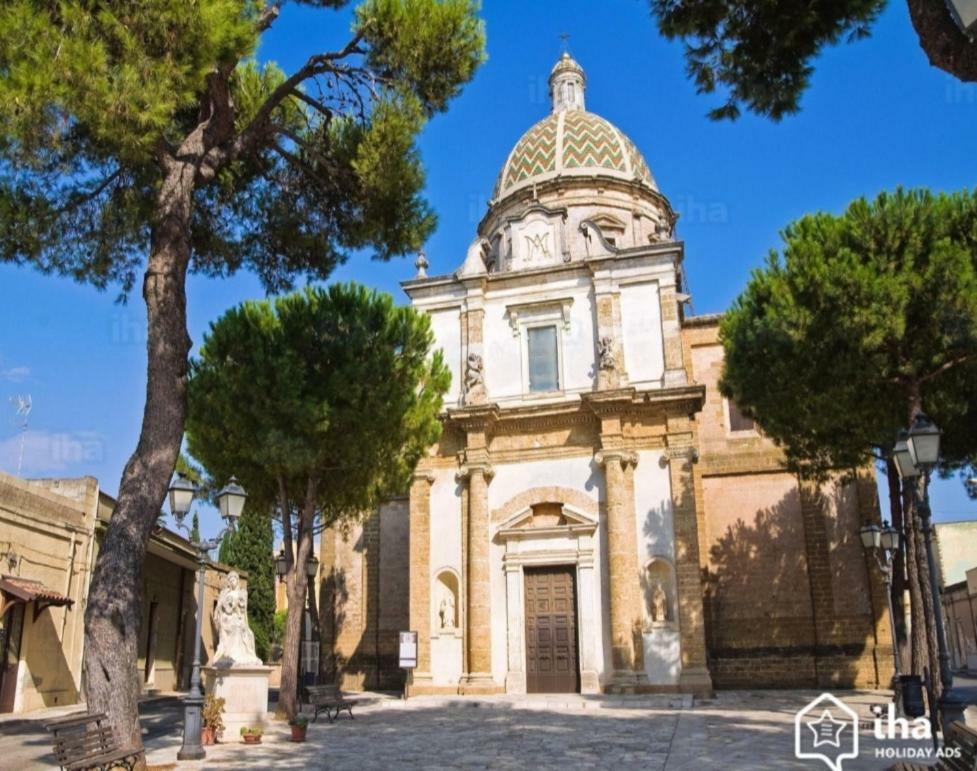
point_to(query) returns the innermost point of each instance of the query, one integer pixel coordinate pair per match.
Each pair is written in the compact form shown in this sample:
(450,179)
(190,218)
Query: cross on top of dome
(567,84)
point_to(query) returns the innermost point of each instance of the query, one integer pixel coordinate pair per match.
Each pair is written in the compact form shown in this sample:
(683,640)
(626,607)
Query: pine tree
(344,398)
(143,139)
(762,52)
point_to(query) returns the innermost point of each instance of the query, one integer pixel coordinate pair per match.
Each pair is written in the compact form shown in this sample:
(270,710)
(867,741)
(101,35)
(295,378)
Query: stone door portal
(551,630)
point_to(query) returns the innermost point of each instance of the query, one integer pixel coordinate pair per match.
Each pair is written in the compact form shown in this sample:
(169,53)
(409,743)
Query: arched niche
(445,602)
(658,592)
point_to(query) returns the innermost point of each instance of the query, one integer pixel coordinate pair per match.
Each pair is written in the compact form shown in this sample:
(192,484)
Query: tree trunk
(901,642)
(114,612)
(928,606)
(919,660)
(945,44)
(296,587)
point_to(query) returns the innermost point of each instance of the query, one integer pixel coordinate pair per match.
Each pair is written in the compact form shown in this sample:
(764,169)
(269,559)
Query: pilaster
(680,456)
(624,581)
(675,373)
(420,572)
(478,638)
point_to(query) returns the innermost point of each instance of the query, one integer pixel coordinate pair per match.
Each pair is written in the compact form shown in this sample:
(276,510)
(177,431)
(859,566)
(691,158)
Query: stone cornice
(474,417)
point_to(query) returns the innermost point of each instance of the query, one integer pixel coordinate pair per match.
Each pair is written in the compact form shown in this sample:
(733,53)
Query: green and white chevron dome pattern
(589,141)
(639,167)
(535,153)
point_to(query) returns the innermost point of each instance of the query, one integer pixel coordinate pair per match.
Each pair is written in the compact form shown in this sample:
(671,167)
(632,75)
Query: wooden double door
(552,664)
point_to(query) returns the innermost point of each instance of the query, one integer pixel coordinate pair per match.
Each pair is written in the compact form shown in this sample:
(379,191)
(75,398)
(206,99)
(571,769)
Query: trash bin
(911,687)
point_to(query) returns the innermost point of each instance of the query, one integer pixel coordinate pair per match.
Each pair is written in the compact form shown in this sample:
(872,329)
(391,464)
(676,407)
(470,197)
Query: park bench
(958,735)
(85,740)
(328,699)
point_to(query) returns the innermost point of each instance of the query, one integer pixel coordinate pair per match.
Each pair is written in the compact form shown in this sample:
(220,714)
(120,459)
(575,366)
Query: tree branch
(948,366)
(945,44)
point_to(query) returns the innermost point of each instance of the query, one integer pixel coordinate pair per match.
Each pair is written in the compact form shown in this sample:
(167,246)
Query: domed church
(596,516)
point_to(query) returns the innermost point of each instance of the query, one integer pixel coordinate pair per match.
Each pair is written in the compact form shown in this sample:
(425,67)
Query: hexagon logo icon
(827,730)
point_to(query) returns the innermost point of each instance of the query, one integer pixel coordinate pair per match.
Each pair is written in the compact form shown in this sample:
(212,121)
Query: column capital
(686,454)
(624,457)
(423,475)
(466,471)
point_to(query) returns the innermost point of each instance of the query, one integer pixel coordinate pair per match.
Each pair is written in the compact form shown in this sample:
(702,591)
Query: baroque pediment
(547,519)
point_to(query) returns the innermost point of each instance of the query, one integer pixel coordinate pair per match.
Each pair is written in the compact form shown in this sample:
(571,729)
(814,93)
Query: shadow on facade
(788,600)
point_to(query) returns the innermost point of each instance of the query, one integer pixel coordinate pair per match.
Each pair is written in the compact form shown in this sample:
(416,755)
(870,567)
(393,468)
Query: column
(695,677)
(622,559)
(420,573)
(589,680)
(515,679)
(478,640)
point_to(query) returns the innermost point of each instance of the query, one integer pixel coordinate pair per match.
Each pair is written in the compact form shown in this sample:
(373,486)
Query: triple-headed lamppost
(230,500)
(916,454)
(311,570)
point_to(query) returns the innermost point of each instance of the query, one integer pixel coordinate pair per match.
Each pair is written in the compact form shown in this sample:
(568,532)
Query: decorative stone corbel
(687,453)
(468,469)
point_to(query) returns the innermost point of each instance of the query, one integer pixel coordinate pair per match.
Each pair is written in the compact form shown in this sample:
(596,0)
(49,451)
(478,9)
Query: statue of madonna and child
(235,640)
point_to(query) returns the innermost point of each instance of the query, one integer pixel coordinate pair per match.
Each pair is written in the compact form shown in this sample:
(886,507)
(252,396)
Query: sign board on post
(408,650)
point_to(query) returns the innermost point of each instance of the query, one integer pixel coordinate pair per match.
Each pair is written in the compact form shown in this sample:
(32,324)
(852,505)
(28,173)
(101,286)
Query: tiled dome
(571,142)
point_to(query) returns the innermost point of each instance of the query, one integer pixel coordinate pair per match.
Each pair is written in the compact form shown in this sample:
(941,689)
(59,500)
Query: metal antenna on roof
(22,409)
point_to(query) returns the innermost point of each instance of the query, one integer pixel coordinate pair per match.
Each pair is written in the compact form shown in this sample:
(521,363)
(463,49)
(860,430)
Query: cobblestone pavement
(736,731)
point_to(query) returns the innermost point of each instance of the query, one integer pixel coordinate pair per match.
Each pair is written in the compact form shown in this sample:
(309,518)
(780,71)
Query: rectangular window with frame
(544,358)
(737,420)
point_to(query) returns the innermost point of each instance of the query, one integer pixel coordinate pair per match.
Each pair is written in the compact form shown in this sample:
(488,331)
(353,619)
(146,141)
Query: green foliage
(213,712)
(98,100)
(250,548)
(759,51)
(341,387)
(195,529)
(281,616)
(832,339)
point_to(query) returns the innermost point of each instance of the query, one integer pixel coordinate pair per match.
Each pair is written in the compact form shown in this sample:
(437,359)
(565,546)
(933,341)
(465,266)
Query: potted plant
(213,724)
(299,724)
(251,734)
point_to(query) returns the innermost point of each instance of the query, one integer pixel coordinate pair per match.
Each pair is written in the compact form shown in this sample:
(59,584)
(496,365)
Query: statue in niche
(474,376)
(447,611)
(659,603)
(235,640)
(605,352)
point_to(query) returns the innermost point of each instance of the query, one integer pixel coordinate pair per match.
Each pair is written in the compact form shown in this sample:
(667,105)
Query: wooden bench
(328,699)
(958,736)
(85,740)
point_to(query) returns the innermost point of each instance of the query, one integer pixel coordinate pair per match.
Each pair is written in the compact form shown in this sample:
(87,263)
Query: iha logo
(826,730)
(892,727)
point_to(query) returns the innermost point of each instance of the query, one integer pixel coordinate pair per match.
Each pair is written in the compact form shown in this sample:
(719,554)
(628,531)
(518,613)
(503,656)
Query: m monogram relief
(538,245)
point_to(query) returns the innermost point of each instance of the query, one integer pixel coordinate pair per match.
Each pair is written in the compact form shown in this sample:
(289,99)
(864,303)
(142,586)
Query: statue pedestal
(245,693)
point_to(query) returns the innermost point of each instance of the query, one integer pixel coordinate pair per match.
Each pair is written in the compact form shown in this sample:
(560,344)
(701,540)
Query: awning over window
(14,590)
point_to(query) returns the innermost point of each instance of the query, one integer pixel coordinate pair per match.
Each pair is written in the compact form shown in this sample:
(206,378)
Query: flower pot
(298,733)
(207,735)
(251,739)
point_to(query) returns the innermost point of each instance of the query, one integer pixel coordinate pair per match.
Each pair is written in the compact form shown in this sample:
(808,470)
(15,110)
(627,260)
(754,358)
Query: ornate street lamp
(281,565)
(924,443)
(181,493)
(312,566)
(903,458)
(885,540)
(231,502)
(965,13)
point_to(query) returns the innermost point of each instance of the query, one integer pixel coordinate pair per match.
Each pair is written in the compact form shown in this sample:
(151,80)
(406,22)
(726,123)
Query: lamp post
(916,454)
(311,571)
(230,500)
(885,539)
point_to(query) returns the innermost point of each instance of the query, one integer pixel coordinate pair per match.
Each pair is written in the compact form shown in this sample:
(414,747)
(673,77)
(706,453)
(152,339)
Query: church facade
(596,517)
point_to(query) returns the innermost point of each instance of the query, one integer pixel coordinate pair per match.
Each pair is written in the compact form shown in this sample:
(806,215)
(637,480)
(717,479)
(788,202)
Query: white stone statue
(447,612)
(659,603)
(235,640)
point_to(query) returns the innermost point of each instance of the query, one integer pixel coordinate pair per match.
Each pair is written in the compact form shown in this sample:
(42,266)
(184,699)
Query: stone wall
(790,600)
(364,600)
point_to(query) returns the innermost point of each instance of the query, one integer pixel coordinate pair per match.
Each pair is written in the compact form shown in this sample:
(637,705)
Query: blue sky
(876,116)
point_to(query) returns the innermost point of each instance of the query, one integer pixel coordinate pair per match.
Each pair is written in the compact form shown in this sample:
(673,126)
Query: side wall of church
(364,597)
(790,600)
